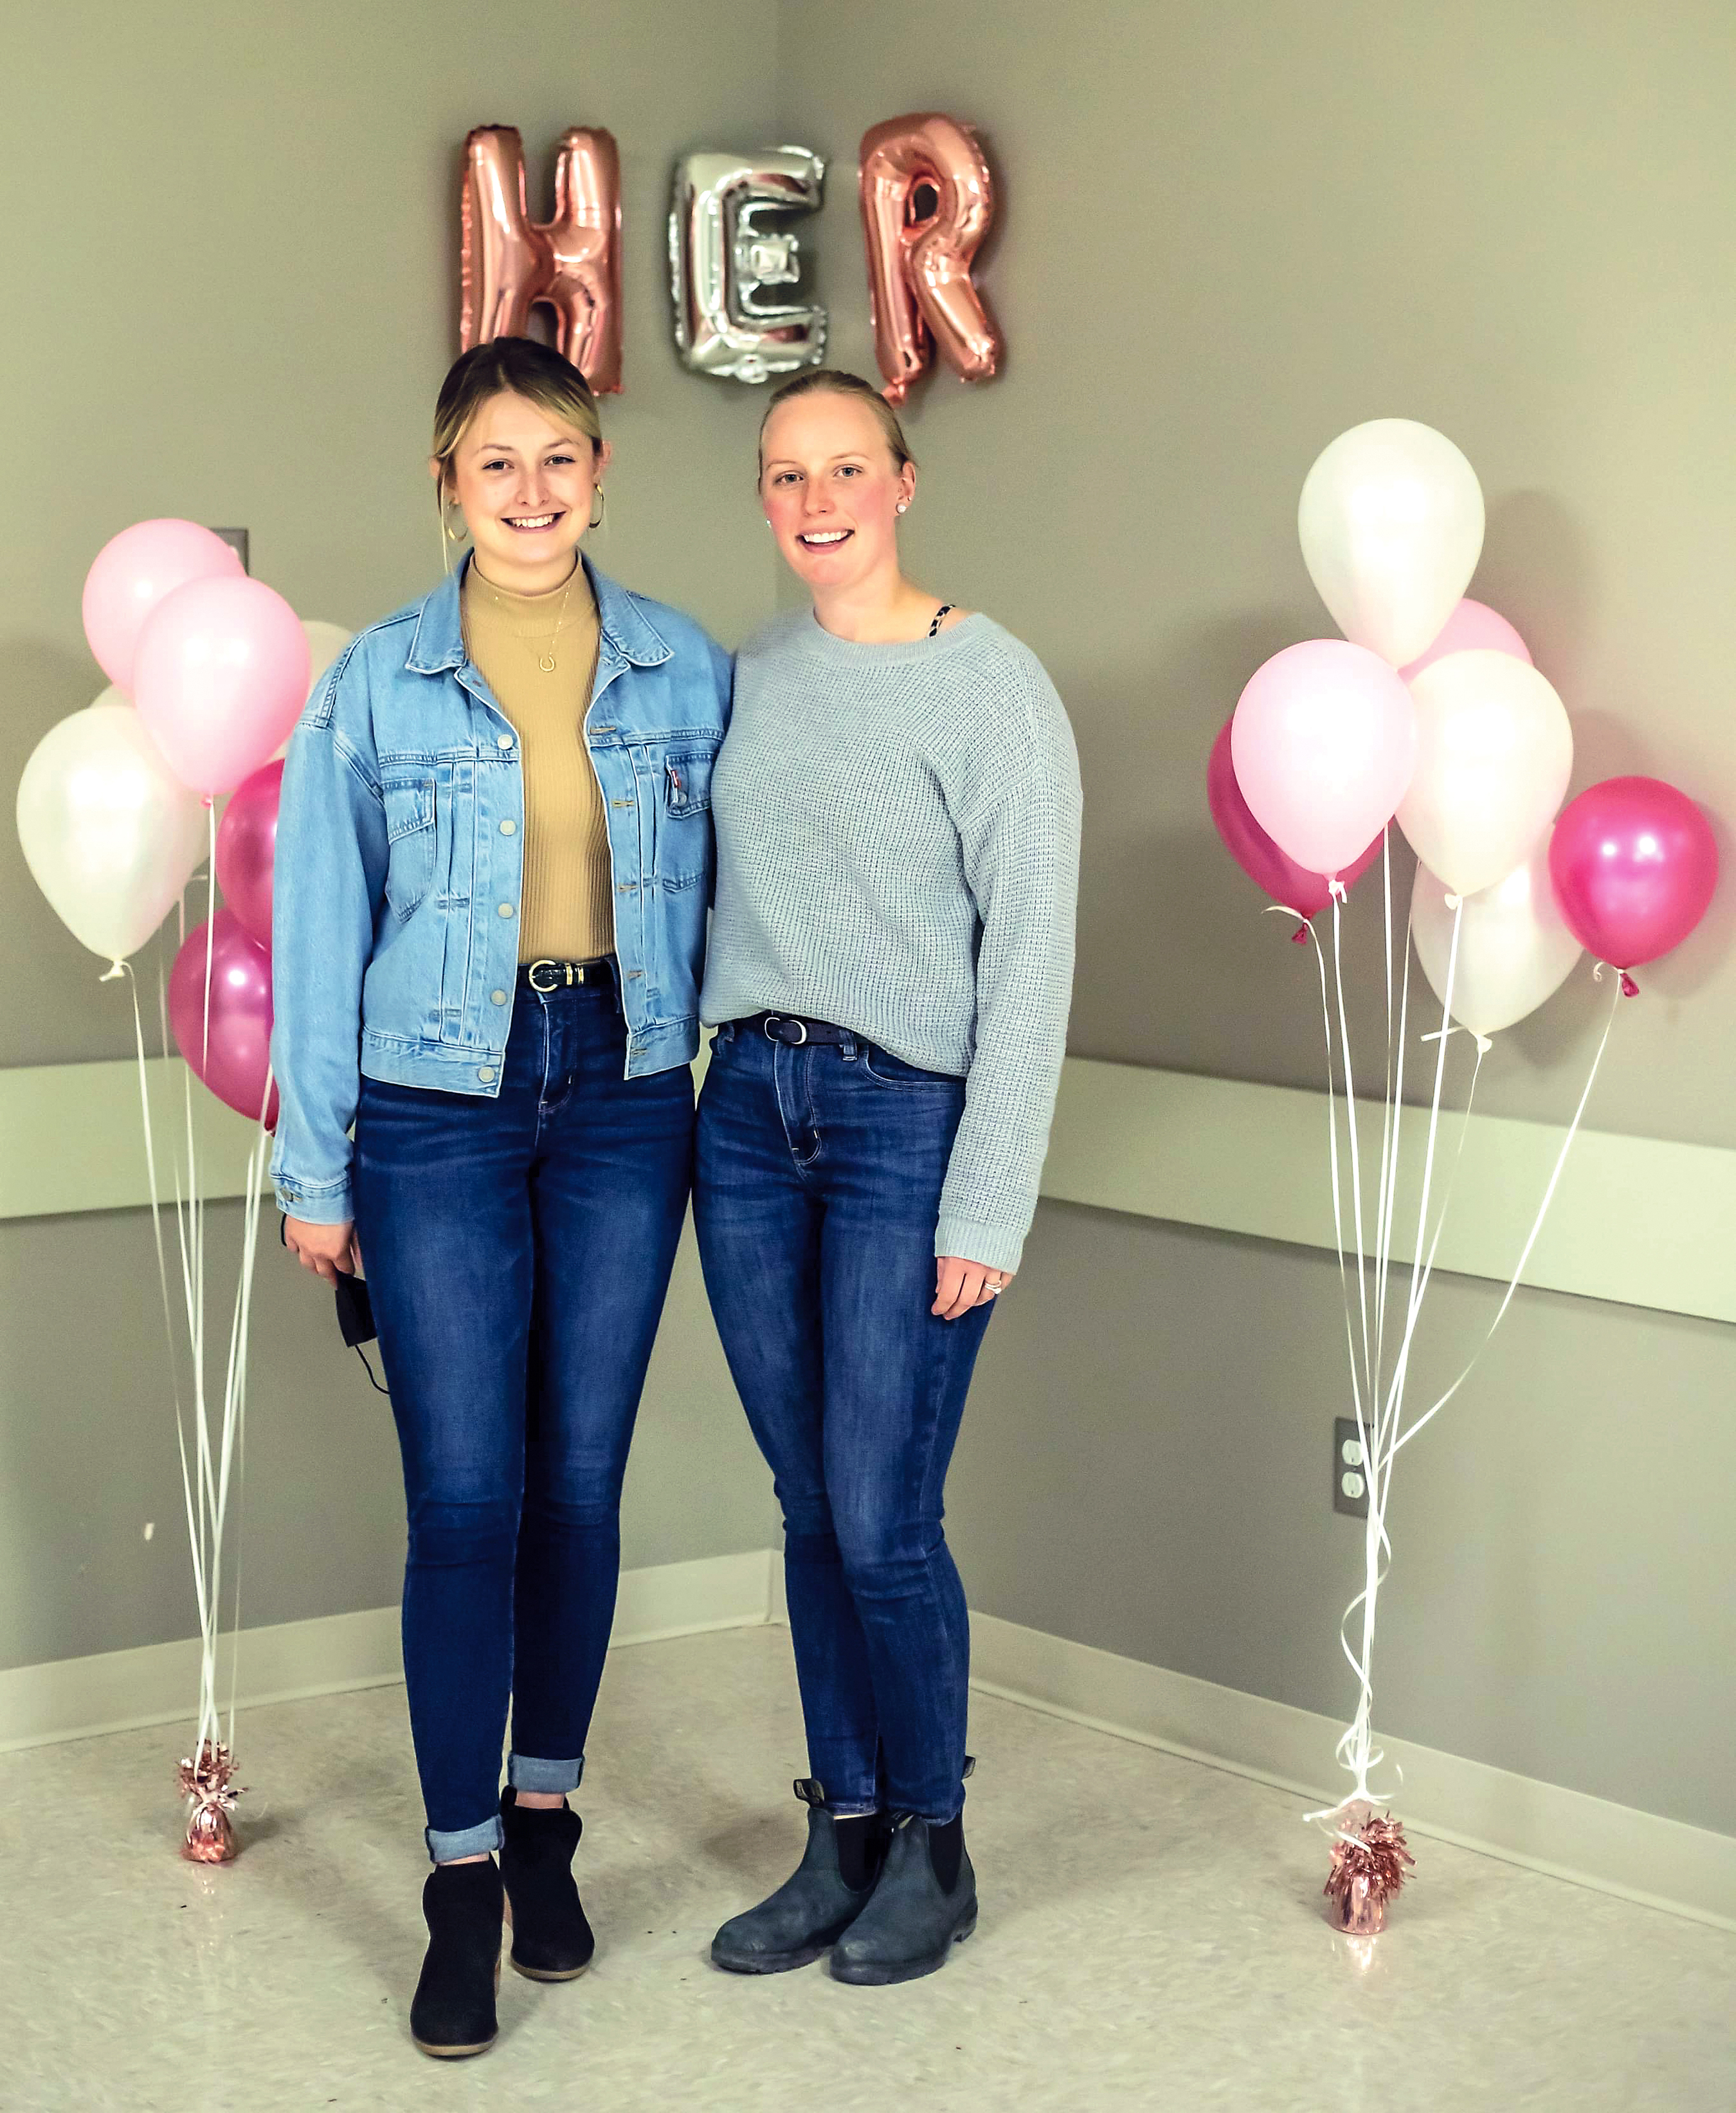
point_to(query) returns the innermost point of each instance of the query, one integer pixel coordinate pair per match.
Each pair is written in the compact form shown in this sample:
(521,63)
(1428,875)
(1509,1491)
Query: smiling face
(524,480)
(832,490)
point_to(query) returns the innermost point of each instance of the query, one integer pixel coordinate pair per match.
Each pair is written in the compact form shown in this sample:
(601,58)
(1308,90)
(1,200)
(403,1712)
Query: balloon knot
(1336,889)
(117,968)
(1630,988)
(1299,937)
(1453,901)
(1483,1045)
(206,800)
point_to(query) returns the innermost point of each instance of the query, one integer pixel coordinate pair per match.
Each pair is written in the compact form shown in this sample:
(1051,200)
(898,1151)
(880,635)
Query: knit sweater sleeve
(1020,844)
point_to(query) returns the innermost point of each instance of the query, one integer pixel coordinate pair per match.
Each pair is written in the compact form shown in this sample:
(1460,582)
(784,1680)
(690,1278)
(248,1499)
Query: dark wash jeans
(517,1251)
(817,1188)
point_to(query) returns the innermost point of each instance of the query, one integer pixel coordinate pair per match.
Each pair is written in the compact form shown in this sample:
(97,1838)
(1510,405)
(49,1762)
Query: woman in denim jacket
(493,870)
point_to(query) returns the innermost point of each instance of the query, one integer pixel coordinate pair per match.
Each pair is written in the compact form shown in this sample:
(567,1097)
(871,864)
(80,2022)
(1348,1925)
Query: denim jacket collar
(438,644)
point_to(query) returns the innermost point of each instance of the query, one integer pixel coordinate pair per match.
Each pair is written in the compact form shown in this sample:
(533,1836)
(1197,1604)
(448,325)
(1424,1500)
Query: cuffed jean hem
(466,1841)
(845,1809)
(543,1778)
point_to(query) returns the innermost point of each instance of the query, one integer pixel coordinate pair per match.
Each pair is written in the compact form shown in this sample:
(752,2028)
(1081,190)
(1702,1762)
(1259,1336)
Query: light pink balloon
(219,678)
(133,574)
(247,846)
(229,1047)
(1324,742)
(1473,628)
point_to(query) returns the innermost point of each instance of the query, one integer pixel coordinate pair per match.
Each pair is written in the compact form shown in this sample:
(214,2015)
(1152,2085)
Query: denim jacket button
(505,910)
(486,1074)
(509,829)
(498,996)
(503,741)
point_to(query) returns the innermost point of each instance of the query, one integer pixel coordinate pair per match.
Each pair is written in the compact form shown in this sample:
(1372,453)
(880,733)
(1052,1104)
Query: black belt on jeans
(793,1031)
(547,976)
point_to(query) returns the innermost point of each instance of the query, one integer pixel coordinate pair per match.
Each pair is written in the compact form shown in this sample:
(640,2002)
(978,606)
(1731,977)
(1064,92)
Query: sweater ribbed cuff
(995,1247)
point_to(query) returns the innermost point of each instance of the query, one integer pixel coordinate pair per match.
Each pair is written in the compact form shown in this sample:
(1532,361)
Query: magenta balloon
(247,844)
(1254,850)
(1324,742)
(1634,864)
(235,1061)
(1473,628)
(219,678)
(134,572)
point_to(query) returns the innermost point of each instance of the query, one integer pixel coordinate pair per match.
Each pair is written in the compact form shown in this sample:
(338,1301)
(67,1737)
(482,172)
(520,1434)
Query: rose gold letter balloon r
(927,200)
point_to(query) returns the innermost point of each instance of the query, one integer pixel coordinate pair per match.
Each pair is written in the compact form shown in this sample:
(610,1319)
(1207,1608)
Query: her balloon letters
(734,264)
(728,255)
(508,261)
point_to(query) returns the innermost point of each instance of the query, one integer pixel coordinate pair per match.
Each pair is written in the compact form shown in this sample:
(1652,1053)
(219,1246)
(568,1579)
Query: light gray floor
(1150,1937)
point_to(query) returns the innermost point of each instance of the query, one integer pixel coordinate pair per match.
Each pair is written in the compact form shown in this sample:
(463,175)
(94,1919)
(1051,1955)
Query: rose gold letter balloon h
(927,200)
(509,262)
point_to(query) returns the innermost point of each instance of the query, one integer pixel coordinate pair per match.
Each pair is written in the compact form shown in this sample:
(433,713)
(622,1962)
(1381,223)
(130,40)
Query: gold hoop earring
(600,510)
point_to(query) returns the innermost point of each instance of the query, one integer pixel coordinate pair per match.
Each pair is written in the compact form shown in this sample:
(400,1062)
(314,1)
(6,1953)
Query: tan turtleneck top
(567,910)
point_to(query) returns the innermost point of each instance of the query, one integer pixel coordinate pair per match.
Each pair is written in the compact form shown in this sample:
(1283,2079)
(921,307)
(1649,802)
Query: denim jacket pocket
(408,795)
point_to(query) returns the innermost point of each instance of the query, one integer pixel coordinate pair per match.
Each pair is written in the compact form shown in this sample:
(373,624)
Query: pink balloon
(1473,628)
(247,844)
(1324,740)
(137,570)
(1254,850)
(1634,864)
(220,679)
(235,1061)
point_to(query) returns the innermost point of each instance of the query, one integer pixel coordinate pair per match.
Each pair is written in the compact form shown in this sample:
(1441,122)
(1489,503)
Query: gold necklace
(545,659)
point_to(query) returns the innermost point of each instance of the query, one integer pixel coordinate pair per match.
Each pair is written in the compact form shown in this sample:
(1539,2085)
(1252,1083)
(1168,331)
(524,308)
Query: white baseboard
(80,1698)
(1637,1855)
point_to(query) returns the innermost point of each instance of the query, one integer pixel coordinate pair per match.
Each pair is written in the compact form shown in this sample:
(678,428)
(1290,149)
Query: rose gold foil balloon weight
(1369,1860)
(205,1783)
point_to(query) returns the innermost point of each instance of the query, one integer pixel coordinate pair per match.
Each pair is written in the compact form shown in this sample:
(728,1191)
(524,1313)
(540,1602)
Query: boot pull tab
(970,1764)
(809,1790)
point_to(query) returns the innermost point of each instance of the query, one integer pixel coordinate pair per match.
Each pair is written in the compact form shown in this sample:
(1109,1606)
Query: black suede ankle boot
(551,1939)
(452,2011)
(924,1903)
(814,1906)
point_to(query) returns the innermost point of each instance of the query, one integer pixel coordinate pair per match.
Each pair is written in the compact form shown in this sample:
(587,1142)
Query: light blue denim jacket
(400,856)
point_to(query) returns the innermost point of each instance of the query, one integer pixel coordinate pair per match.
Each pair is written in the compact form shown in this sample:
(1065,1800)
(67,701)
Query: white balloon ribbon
(1378,1380)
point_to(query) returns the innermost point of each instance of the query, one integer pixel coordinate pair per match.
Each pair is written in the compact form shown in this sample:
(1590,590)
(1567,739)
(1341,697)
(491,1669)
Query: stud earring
(903,505)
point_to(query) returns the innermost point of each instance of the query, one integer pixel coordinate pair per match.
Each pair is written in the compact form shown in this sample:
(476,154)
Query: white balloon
(325,642)
(1515,950)
(1390,522)
(1494,754)
(110,835)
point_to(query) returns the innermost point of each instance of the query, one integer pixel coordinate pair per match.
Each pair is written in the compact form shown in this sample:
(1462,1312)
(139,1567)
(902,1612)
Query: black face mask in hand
(355,1312)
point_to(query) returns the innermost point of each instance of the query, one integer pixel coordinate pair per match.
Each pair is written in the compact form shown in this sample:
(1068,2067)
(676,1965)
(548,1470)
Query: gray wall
(1227,235)
(234,262)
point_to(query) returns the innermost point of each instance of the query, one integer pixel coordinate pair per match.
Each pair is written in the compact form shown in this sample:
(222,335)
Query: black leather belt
(546,976)
(793,1031)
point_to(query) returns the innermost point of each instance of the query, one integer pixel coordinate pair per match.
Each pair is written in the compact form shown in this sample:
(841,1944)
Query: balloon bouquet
(1429,712)
(209,671)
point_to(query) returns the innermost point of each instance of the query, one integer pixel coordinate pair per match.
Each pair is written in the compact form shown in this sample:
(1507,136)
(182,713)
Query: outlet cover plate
(1344,1434)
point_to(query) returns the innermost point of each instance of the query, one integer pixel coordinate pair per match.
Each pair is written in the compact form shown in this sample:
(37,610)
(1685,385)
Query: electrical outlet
(1349,1470)
(236,539)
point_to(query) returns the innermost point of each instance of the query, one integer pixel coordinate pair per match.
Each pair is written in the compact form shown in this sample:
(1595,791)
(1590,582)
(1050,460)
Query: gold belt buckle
(545,988)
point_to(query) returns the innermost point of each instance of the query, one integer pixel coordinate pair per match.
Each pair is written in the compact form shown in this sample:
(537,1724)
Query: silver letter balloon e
(726,255)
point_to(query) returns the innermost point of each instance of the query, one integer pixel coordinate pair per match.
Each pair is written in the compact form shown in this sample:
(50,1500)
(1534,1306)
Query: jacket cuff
(995,1247)
(322,1206)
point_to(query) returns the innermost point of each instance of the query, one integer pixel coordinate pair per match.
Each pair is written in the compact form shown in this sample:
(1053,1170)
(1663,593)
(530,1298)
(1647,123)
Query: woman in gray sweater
(897,813)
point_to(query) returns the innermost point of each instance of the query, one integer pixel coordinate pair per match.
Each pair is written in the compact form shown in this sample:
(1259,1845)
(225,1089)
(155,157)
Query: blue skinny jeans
(817,1189)
(517,1252)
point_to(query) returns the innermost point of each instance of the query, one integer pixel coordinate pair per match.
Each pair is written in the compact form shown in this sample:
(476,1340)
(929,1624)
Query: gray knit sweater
(898,853)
